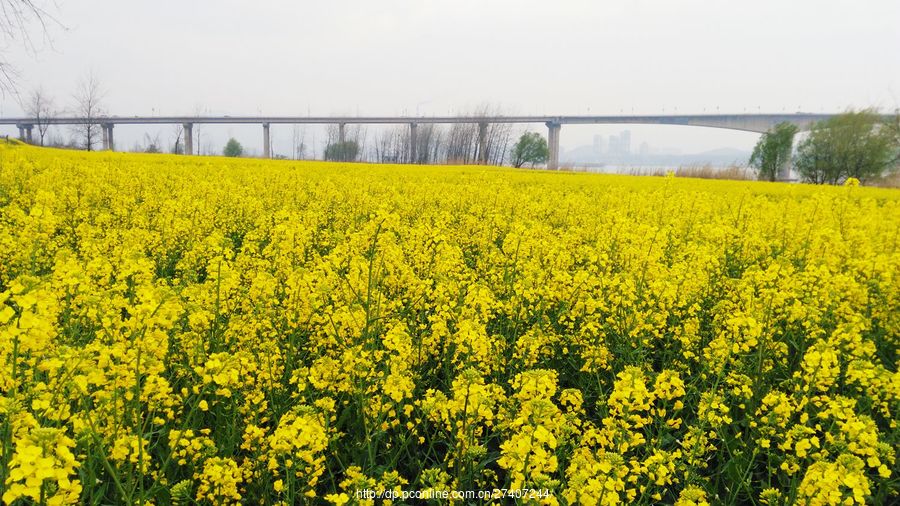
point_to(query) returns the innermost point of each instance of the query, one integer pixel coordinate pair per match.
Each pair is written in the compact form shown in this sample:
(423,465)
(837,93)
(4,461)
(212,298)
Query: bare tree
(197,129)
(152,144)
(463,142)
(389,144)
(361,135)
(88,107)
(298,143)
(428,143)
(177,146)
(16,17)
(40,107)
(499,136)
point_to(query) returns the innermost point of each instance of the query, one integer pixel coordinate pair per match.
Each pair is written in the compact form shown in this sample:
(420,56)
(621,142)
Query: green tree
(853,144)
(233,148)
(893,131)
(531,148)
(346,151)
(773,151)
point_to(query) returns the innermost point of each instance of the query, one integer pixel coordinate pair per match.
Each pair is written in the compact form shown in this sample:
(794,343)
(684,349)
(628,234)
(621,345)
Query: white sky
(442,56)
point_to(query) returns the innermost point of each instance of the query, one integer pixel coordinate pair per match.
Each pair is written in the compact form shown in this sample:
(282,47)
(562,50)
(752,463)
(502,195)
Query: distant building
(615,147)
(626,141)
(620,145)
(599,145)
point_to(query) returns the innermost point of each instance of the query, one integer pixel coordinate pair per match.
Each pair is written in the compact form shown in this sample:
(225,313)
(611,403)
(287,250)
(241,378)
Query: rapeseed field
(179,330)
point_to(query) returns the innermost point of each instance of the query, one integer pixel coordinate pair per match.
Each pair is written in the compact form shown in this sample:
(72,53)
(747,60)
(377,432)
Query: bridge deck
(673,119)
(757,123)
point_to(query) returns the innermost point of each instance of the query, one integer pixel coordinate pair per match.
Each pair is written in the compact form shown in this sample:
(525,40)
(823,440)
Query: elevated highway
(758,123)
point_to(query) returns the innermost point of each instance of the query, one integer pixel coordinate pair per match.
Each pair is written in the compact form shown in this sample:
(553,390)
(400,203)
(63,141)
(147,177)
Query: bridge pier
(109,135)
(341,129)
(188,138)
(28,137)
(267,151)
(105,136)
(553,145)
(21,132)
(413,143)
(784,171)
(482,143)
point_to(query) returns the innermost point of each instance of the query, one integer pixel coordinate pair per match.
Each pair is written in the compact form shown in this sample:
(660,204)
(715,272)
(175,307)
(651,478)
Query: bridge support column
(482,143)
(109,136)
(188,138)
(553,145)
(28,137)
(104,135)
(342,151)
(267,145)
(21,132)
(413,144)
(784,170)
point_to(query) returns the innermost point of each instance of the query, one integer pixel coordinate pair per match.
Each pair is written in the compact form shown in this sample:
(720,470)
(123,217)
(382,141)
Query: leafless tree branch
(89,106)
(16,20)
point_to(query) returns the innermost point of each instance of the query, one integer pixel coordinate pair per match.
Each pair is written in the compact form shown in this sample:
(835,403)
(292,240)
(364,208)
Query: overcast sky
(438,57)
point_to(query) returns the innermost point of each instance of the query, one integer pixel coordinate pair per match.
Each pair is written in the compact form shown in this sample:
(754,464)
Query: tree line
(456,144)
(863,145)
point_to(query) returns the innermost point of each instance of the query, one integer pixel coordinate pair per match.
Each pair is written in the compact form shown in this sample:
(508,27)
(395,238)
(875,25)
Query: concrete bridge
(758,123)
